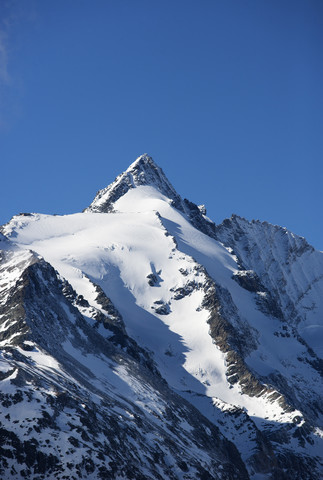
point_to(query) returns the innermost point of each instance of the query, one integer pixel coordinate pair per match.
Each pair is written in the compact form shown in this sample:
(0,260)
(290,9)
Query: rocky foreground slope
(139,340)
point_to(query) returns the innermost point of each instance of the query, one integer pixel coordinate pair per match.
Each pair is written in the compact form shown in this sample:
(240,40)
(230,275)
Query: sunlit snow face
(119,251)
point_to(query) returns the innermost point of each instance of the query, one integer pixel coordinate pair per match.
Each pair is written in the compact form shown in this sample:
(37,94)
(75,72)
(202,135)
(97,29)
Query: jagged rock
(161,308)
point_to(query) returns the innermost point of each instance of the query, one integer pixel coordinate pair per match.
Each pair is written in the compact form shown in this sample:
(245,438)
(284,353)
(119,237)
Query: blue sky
(225,95)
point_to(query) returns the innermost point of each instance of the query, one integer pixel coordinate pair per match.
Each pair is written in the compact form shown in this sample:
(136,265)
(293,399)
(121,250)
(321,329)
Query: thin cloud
(4,74)
(9,16)
(4,82)
(12,13)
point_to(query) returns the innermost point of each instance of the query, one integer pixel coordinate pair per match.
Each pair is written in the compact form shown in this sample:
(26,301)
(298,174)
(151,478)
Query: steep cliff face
(200,334)
(290,269)
(288,266)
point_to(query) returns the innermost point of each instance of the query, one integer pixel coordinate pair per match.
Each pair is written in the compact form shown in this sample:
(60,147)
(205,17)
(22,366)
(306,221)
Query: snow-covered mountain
(139,340)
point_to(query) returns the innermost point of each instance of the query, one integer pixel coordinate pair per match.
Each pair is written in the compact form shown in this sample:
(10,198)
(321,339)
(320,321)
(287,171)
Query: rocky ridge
(143,172)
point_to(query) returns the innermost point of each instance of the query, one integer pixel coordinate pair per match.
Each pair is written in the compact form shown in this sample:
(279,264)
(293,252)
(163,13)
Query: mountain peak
(145,172)
(145,161)
(142,172)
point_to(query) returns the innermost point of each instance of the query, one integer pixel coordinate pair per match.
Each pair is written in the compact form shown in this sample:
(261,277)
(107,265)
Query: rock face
(288,266)
(291,273)
(140,340)
(144,172)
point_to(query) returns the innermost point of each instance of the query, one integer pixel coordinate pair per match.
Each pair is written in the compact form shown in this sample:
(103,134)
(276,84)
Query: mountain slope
(203,307)
(76,404)
(289,268)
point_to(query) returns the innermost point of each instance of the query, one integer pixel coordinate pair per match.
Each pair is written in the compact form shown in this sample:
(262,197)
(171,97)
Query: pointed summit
(142,172)
(145,172)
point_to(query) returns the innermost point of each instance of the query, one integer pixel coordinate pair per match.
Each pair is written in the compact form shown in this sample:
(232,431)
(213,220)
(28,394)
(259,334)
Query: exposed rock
(161,308)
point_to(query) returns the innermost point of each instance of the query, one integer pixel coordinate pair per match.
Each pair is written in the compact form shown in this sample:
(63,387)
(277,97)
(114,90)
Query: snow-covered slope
(77,405)
(223,313)
(290,268)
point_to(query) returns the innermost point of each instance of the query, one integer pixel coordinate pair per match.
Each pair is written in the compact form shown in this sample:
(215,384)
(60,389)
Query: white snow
(146,235)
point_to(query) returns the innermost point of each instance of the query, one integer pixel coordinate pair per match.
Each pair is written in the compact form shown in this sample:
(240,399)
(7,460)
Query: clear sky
(225,95)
